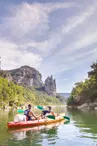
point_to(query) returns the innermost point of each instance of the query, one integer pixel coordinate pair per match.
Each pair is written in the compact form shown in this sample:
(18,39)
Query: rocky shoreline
(85,106)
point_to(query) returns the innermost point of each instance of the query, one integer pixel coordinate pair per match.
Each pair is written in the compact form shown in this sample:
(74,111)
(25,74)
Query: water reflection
(36,135)
(19,135)
(81,131)
(86,122)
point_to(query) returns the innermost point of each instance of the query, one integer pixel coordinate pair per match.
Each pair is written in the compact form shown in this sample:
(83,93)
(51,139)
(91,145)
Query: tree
(87,90)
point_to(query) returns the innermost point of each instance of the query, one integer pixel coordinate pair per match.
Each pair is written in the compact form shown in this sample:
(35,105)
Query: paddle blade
(51,117)
(67,118)
(20,111)
(40,107)
(66,122)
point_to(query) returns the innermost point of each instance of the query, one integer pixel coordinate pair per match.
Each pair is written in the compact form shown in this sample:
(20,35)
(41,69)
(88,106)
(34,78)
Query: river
(81,131)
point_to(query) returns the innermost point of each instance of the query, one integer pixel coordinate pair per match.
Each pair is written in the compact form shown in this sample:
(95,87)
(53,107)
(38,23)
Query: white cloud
(80,56)
(84,39)
(75,21)
(45,47)
(30,20)
(24,19)
(59,64)
(13,57)
(49,7)
(34,18)
(27,22)
(27,18)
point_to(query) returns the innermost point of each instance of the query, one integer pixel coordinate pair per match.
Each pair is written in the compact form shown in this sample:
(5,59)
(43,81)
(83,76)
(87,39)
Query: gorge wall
(30,77)
(50,86)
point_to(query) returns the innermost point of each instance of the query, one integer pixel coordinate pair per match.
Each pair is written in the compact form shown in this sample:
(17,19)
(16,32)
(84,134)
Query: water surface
(81,131)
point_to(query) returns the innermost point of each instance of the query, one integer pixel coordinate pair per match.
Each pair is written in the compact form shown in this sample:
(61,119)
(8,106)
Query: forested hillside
(14,95)
(85,92)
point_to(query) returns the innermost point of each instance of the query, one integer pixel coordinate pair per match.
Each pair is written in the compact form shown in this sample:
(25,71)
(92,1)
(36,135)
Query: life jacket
(44,112)
(26,113)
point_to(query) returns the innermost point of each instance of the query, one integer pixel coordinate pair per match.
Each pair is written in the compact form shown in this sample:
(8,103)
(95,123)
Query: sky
(57,37)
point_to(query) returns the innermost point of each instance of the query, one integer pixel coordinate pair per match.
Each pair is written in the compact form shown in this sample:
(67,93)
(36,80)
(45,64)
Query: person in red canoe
(45,112)
(29,114)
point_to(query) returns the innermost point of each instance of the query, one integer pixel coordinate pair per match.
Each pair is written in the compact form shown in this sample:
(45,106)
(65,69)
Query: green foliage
(15,95)
(85,91)
(71,101)
(61,98)
(4,74)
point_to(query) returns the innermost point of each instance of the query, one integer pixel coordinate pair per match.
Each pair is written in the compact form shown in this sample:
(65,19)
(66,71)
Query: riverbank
(8,108)
(84,93)
(85,106)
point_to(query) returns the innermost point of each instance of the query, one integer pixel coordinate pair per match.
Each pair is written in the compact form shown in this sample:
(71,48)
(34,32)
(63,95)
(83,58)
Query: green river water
(81,131)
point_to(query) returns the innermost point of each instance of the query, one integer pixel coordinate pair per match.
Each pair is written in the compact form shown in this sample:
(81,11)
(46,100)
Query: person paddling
(49,111)
(29,114)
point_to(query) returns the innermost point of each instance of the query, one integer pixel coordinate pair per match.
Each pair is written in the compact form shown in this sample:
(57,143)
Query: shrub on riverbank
(12,94)
(85,91)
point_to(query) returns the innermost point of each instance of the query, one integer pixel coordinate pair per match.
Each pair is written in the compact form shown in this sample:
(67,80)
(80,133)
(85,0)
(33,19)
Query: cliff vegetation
(12,94)
(85,92)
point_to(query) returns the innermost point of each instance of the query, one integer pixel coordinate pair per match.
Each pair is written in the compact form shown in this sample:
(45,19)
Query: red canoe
(34,123)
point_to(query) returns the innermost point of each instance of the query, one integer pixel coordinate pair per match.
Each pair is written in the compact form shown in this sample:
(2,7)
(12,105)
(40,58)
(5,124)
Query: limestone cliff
(24,75)
(30,77)
(50,86)
(27,76)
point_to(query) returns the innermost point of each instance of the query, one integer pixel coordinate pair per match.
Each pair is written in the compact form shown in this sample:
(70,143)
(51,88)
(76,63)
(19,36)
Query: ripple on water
(81,131)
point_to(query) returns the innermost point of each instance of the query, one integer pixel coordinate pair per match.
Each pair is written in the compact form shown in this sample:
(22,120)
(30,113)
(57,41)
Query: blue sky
(57,37)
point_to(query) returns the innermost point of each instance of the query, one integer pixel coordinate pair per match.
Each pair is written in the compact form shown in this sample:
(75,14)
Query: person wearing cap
(49,111)
(29,114)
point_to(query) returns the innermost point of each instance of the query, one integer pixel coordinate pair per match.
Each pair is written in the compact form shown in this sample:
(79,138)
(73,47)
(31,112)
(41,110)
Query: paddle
(40,107)
(66,122)
(51,116)
(20,111)
(67,118)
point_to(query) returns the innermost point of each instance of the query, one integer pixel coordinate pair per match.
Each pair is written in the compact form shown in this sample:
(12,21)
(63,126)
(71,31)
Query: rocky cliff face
(27,76)
(6,74)
(30,77)
(50,86)
(24,75)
